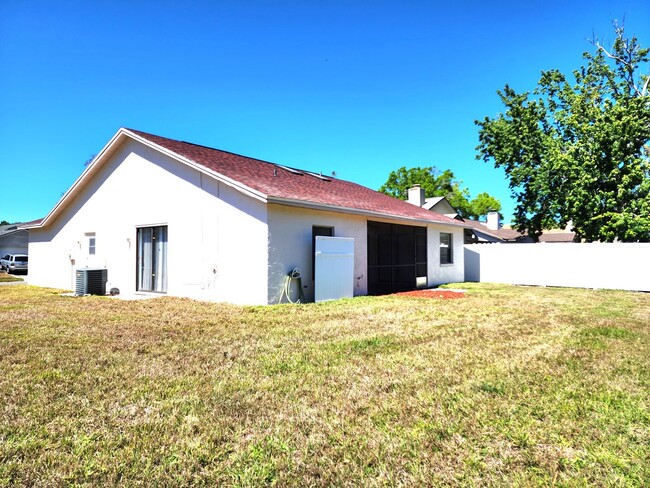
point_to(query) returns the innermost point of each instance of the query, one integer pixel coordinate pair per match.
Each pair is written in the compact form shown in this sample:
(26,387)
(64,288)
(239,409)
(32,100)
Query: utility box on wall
(91,281)
(334,268)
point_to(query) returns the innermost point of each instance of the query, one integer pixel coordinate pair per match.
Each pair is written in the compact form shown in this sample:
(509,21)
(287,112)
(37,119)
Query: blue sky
(356,87)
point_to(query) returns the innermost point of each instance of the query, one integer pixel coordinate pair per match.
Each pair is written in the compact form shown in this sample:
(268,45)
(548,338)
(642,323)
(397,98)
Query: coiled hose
(286,289)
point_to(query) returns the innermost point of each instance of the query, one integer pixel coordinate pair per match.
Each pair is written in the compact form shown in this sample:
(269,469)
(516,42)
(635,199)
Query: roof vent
(290,170)
(316,175)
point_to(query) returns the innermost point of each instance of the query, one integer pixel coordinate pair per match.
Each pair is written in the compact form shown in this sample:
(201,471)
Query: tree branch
(630,68)
(645,87)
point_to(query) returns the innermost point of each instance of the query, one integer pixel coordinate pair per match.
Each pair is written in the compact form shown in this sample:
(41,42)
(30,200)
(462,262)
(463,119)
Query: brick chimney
(416,195)
(493,221)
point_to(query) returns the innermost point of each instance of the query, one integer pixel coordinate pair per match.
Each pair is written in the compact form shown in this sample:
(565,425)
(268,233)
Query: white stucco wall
(217,237)
(290,246)
(624,266)
(445,273)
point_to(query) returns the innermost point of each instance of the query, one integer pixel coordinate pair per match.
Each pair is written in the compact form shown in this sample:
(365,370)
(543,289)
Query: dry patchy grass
(6,277)
(510,385)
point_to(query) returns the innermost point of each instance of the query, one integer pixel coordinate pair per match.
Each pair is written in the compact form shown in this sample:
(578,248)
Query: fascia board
(353,211)
(32,226)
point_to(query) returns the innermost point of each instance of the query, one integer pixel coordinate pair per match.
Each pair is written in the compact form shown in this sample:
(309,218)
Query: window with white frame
(92,243)
(446,248)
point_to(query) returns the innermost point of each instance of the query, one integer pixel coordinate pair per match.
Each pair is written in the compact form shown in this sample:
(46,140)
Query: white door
(334,273)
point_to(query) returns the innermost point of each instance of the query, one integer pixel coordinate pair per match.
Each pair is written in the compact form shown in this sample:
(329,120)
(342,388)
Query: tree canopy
(577,151)
(438,183)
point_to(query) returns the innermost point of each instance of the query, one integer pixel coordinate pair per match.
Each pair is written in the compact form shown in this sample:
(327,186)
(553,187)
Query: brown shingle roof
(31,223)
(557,237)
(278,182)
(509,235)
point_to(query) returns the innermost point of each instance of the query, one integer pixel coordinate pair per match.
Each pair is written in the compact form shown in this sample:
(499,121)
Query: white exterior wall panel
(290,246)
(445,273)
(216,236)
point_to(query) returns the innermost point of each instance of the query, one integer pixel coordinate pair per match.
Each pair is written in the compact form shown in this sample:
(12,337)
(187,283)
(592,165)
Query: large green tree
(438,183)
(577,151)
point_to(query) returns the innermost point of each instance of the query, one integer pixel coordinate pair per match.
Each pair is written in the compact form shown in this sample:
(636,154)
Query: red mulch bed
(433,293)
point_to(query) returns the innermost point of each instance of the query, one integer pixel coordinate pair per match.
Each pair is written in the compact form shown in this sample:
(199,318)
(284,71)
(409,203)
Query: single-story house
(492,231)
(436,204)
(167,216)
(475,231)
(13,239)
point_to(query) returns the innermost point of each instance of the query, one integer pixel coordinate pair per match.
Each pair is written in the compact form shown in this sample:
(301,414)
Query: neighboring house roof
(511,235)
(558,237)
(31,223)
(440,205)
(20,226)
(13,239)
(429,203)
(266,181)
(501,235)
(6,230)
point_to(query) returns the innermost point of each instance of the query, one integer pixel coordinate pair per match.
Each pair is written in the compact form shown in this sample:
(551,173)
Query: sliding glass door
(152,259)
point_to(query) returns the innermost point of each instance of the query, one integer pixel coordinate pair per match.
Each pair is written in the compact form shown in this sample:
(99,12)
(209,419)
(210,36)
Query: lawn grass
(507,386)
(7,278)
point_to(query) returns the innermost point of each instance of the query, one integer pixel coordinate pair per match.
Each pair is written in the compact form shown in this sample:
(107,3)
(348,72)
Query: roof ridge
(290,184)
(279,165)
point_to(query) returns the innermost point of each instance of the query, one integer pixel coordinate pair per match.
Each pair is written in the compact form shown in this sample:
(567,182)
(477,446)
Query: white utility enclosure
(334,268)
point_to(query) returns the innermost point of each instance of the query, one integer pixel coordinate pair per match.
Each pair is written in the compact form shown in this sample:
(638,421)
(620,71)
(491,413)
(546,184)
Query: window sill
(447,265)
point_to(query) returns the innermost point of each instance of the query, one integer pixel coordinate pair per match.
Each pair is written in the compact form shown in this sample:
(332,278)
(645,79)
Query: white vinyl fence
(619,266)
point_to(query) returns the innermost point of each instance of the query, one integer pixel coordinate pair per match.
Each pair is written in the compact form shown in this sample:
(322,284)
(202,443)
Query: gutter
(354,211)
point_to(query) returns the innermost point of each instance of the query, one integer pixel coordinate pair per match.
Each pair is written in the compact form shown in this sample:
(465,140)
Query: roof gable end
(263,180)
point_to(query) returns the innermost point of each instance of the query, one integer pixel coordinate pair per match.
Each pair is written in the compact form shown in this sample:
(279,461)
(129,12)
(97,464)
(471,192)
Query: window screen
(397,257)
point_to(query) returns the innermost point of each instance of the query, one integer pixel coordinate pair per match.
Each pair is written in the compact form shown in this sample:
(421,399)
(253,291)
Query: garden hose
(286,289)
